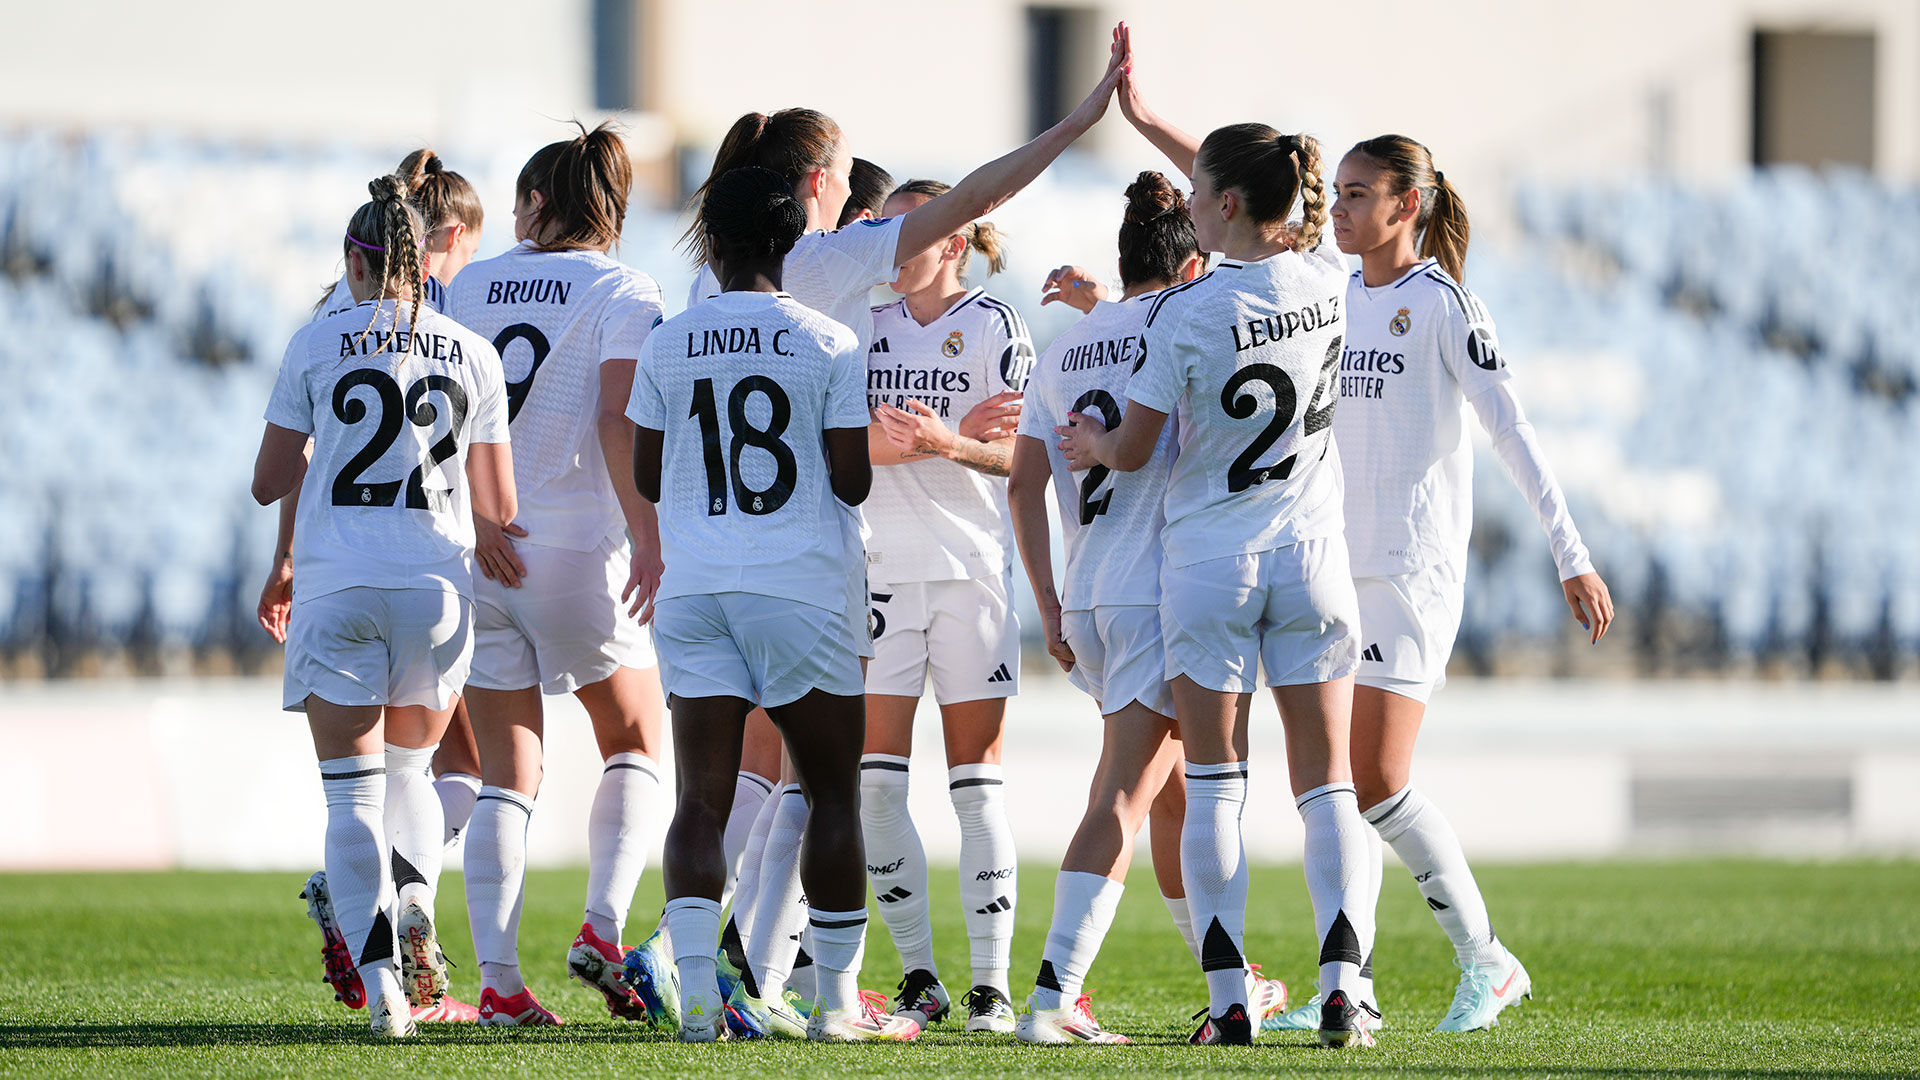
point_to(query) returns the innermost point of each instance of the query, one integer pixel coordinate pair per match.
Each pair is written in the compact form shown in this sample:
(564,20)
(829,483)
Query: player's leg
(780,913)
(417,836)
(456,773)
(508,726)
(757,782)
(896,860)
(706,735)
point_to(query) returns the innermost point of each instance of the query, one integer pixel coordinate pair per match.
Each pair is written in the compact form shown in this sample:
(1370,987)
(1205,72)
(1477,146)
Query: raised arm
(1180,147)
(992,184)
(1027,502)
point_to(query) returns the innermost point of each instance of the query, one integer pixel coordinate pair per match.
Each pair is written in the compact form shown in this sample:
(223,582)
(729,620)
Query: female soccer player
(752,420)
(832,273)
(558,610)
(1255,568)
(939,569)
(1419,348)
(407,415)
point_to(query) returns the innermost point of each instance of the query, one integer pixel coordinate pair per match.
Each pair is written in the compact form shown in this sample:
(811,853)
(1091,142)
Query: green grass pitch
(1684,969)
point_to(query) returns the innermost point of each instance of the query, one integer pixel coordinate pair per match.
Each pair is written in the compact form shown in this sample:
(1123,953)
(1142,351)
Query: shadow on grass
(129,1036)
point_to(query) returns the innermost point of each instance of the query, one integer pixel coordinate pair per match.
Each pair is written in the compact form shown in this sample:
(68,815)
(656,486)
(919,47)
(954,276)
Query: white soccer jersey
(555,317)
(832,272)
(1112,520)
(385,502)
(341,299)
(1417,350)
(1245,358)
(743,386)
(934,519)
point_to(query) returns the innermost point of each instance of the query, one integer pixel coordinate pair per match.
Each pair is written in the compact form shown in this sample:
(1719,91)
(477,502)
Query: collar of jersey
(1418,268)
(957,305)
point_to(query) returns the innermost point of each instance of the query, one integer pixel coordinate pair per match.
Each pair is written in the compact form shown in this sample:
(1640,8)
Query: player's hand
(918,432)
(1057,646)
(276,600)
(1592,604)
(643,581)
(1095,106)
(1074,287)
(494,551)
(995,418)
(1133,103)
(1078,439)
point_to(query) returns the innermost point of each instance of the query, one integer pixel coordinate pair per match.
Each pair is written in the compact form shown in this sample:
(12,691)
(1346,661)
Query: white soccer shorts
(964,633)
(761,649)
(1119,657)
(1291,610)
(1407,626)
(563,628)
(378,647)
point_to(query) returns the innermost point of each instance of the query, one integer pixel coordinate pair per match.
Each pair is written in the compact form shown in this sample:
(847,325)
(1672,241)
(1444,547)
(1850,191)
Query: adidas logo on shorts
(999,905)
(1000,674)
(1373,653)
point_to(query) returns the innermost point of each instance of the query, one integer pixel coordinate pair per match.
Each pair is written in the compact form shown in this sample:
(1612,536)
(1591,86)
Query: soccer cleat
(922,999)
(392,1019)
(446,1011)
(1307,1018)
(727,971)
(597,965)
(1057,1026)
(1344,1023)
(703,1020)
(334,953)
(755,1018)
(988,1010)
(864,1022)
(520,1010)
(1265,997)
(1484,990)
(423,967)
(651,973)
(1230,1028)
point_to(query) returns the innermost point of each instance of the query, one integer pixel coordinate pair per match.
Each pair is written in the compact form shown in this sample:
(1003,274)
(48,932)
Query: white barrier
(125,775)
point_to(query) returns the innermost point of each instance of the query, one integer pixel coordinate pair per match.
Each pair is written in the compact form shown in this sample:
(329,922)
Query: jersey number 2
(786,468)
(1101,404)
(1242,475)
(348,490)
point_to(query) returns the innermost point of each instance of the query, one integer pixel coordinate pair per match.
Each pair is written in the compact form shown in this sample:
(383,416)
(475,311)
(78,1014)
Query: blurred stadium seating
(1724,379)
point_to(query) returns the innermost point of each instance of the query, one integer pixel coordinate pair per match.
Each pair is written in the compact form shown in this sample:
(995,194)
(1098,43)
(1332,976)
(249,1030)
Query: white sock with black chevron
(1337,875)
(1425,841)
(496,870)
(617,840)
(989,869)
(746,892)
(357,868)
(1213,866)
(896,862)
(416,832)
(1083,907)
(781,911)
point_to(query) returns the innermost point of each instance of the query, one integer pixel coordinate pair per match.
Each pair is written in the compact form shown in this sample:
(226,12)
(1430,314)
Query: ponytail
(790,144)
(1444,228)
(584,182)
(981,236)
(1269,171)
(388,233)
(442,196)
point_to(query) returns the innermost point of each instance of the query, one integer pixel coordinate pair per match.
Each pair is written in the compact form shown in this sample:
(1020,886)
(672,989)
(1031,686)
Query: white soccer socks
(695,921)
(989,869)
(780,912)
(837,936)
(1083,907)
(1337,881)
(1424,840)
(457,790)
(1213,866)
(617,840)
(416,829)
(1183,922)
(357,870)
(496,870)
(750,793)
(896,863)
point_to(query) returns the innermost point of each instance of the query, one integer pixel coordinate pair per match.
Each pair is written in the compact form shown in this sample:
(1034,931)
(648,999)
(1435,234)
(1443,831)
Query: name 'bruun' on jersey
(934,519)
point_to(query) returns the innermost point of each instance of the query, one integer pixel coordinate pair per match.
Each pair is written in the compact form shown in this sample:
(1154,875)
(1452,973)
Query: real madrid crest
(1401,323)
(952,347)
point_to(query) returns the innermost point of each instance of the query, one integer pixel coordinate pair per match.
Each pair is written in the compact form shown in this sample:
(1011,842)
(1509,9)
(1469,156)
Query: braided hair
(1269,171)
(388,232)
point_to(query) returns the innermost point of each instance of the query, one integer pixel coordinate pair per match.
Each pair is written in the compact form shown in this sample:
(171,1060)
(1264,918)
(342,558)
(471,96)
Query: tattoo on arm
(992,458)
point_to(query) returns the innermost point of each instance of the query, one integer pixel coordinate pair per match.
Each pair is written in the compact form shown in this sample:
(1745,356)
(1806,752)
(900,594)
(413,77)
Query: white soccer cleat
(703,1019)
(392,1018)
(864,1022)
(1265,997)
(423,967)
(1054,1027)
(1484,990)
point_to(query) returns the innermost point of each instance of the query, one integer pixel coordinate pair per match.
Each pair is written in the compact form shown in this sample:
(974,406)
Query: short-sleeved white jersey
(1417,351)
(1112,520)
(832,272)
(555,317)
(934,519)
(385,502)
(341,299)
(743,386)
(1245,358)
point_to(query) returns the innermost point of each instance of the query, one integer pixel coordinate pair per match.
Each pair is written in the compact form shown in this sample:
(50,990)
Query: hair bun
(1150,197)
(389,188)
